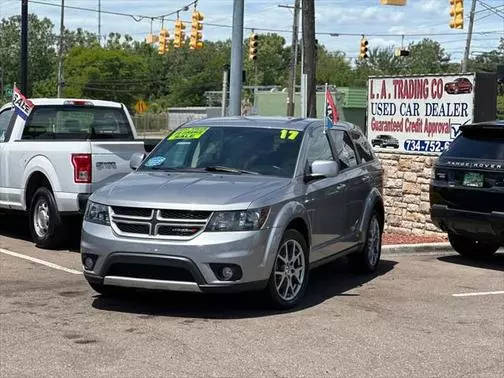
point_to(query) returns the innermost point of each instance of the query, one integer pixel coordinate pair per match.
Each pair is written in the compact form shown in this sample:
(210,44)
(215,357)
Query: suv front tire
(289,277)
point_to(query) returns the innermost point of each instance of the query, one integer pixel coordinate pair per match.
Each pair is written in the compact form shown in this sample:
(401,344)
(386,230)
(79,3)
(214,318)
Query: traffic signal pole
(235,86)
(23,75)
(463,67)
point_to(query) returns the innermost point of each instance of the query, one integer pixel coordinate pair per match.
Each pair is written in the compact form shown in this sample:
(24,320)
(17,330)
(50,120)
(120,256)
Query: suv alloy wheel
(289,278)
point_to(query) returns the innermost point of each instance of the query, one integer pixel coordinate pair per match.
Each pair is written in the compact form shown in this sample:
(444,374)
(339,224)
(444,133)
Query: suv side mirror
(322,169)
(136,160)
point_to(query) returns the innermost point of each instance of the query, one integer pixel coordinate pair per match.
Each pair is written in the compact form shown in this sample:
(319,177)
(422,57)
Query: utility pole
(293,59)
(236,59)
(60,63)
(99,22)
(23,75)
(310,64)
(463,67)
(225,75)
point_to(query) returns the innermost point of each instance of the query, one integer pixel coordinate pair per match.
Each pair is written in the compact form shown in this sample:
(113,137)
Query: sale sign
(418,114)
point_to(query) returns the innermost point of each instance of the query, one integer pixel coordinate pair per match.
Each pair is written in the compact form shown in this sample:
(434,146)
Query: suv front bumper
(179,265)
(475,225)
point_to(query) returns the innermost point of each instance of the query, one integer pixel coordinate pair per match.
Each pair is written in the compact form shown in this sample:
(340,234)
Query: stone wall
(406,193)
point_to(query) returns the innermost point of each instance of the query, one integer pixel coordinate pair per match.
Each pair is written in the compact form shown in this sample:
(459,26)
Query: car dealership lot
(403,321)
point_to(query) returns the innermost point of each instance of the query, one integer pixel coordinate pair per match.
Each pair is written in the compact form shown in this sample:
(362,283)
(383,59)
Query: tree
(333,68)
(272,64)
(427,57)
(41,49)
(108,74)
(488,61)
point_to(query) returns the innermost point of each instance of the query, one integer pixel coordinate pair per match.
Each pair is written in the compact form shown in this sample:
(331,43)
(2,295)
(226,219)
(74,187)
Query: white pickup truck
(53,161)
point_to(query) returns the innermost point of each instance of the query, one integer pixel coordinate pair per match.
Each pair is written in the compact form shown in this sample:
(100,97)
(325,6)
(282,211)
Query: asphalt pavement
(432,314)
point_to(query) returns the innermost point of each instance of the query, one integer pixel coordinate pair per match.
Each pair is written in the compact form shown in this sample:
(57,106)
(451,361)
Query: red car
(460,85)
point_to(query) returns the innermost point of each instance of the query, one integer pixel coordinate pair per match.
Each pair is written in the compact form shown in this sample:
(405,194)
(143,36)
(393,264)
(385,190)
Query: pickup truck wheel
(471,248)
(289,278)
(367,259)
(46,226)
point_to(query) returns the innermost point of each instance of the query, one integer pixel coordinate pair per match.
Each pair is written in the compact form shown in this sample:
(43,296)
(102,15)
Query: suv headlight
(97,213)
(243,220)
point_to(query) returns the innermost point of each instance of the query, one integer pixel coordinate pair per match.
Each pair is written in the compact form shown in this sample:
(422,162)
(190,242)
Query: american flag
(331,112)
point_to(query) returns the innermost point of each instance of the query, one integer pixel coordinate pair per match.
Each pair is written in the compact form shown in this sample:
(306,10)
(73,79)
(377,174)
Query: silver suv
(236,204)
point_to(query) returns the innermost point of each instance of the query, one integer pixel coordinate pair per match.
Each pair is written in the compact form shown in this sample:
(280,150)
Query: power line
(139,18)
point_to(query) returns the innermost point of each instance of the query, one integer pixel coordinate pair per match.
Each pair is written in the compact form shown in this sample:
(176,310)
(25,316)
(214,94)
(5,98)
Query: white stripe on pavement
(476,294)
(38,261)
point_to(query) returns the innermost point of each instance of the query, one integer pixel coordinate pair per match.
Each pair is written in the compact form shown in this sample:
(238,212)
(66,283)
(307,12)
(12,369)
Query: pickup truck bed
(68,147)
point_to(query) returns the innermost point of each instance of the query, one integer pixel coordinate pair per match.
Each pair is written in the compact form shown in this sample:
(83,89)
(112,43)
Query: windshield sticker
(289,134)
(188,133)
(155,161)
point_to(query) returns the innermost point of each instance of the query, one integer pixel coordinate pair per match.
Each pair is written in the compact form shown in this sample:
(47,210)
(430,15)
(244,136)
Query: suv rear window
(486,146)
(77,123)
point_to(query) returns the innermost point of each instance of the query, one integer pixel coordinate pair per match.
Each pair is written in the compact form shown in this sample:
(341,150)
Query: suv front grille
(132,211)
(159,224)
(183,214)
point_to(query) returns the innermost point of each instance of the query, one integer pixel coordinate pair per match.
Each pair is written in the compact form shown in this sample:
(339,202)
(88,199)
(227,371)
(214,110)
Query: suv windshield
(232,150)
(472,146)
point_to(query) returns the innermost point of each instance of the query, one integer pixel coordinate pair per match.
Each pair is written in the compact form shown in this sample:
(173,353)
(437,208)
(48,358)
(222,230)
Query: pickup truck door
(7,119)
(111,160)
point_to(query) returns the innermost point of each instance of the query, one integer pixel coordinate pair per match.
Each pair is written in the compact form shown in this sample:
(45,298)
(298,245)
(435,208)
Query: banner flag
(22,105)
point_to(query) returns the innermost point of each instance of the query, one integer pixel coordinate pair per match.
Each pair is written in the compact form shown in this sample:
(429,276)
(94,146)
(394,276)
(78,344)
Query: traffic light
(457,14)
(163,41)
(196,34)
(401,52)
(151,39)
(363,48)
(179,38)
(253,44)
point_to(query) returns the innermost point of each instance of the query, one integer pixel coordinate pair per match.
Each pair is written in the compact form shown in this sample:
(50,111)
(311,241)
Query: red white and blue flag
(22,105)
(331,111)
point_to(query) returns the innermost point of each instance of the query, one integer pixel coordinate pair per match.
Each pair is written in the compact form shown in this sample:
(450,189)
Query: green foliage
(41,51)
(333,68)
(113,74)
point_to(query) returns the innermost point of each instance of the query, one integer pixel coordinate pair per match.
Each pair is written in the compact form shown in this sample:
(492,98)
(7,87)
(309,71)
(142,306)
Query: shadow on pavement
(495,262)
(15,225)
(326,282)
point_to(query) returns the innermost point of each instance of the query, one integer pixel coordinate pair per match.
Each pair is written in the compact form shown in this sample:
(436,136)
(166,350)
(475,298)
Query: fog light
(227,273)
(88,261)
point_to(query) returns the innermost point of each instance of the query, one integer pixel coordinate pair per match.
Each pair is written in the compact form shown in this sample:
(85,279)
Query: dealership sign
(418,114)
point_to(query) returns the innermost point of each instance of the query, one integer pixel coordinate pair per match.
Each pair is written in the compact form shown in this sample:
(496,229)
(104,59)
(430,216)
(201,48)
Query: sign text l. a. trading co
(418,114)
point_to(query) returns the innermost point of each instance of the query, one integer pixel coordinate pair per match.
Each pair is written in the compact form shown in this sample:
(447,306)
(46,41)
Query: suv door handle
(366,179)
(340,186)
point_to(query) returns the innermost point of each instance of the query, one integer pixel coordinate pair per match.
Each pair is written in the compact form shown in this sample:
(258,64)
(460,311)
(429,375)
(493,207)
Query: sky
(366,17)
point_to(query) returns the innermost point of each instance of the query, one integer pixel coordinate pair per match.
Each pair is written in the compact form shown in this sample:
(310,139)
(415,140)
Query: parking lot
(422,315)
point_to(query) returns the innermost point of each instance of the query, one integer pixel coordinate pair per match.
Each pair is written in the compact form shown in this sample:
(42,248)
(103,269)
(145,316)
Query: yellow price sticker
(188,133)
(289,134)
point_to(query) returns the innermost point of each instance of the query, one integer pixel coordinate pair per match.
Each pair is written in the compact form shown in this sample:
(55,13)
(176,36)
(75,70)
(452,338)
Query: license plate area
(473,180)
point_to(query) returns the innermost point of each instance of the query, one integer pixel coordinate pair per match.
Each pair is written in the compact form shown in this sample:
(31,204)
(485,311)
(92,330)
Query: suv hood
(188,191)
